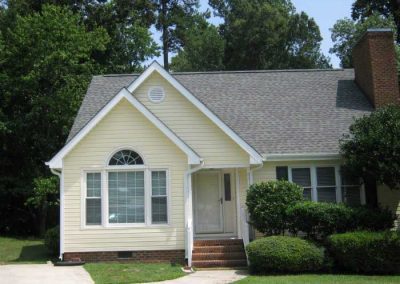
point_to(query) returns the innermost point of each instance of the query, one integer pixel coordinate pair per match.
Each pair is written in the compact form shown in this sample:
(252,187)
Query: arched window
(126,158)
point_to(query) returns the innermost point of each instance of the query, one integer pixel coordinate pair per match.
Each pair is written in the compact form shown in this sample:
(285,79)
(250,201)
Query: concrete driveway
(43,274)
(209,277)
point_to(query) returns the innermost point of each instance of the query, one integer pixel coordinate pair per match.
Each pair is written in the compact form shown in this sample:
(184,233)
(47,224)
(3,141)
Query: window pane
(307,194)
(159,183)
(282,173)
(126,157)
(327,194)
(351,195)
(227,187)
(159,209)
(93,184)
(326,176)
(93,211)
(126,197)
(302,177)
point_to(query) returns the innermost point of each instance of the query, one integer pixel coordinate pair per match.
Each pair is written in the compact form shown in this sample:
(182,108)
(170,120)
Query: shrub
(267,203)
(373,219)
(367,252)
(319,220)
(52,240)
(284,254)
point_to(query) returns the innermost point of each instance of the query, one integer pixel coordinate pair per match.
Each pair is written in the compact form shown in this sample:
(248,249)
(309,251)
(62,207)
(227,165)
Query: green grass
(323,278)
(104,273)
(22,251)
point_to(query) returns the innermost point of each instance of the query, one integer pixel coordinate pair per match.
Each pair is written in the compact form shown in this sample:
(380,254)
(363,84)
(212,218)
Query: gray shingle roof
(276,112)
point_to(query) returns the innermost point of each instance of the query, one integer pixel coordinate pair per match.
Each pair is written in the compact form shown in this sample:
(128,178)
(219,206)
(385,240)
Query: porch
(216,227)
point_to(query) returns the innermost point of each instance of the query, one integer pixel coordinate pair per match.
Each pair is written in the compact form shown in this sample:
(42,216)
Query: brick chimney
(375,67)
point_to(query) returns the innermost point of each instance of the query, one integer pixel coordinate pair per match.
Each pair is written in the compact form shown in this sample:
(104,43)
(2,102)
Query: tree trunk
(371,192)
(165,33)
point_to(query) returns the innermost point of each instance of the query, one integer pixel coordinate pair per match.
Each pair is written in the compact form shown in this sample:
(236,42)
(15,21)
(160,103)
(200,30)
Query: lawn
(104,273)
(22,251)
(323,278)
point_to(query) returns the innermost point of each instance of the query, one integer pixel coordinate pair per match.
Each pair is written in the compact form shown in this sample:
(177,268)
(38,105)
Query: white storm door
(208,203)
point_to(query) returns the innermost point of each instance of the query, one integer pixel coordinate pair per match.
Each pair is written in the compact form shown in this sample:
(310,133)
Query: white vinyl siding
(93,198)
(159,201)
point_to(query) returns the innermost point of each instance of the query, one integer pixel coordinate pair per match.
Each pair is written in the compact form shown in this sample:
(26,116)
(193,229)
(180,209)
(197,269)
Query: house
(157,164)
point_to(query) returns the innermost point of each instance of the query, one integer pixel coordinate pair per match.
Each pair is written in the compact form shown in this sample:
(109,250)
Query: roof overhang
(56,161)
(301,157)
(255,157)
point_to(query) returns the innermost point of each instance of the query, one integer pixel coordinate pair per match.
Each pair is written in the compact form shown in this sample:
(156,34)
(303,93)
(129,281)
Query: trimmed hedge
(319,220)
(284,254)
(367,252)
(267,203)
(52,240)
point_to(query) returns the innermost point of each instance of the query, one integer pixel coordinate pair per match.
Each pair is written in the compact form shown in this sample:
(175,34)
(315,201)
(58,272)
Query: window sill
(128,226)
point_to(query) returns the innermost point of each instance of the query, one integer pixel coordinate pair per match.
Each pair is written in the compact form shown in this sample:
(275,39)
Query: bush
(367,252)
(52,240)
(319,220)
(284,254)
(373,219)
(267,203)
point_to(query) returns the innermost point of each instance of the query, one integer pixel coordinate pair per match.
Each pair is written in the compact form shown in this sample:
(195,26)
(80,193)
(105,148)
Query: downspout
(59,174)
(189,212)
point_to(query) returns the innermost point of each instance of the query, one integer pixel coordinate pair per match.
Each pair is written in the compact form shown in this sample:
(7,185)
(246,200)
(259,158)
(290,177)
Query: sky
(324,12)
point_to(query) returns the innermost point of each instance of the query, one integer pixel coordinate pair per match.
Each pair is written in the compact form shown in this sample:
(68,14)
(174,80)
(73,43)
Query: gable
(190,124)
(56,161)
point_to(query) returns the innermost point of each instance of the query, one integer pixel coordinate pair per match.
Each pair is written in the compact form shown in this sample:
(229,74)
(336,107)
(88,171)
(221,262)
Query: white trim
(56,161)
(255,157)
(301,157)
(121,148)
(238,215)
(62,202)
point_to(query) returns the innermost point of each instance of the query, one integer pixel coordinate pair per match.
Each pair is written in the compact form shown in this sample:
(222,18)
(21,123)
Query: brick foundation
(175,256)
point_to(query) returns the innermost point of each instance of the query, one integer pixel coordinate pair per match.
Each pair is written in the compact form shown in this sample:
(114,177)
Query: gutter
(60,176)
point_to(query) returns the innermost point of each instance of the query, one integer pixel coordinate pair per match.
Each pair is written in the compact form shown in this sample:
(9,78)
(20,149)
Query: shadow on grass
(33,253)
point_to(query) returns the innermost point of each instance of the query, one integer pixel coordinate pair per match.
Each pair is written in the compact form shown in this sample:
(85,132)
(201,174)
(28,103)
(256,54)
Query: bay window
(132,193)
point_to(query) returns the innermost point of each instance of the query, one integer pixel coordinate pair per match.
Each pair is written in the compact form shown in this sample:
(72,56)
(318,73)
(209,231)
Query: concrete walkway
(43,274)
(209,277)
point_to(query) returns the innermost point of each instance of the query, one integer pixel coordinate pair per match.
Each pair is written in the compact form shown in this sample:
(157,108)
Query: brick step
(218,249)
(227,242)
(221,256)
(219,263)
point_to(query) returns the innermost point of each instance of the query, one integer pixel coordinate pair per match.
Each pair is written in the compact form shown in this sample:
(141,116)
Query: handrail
(244,225)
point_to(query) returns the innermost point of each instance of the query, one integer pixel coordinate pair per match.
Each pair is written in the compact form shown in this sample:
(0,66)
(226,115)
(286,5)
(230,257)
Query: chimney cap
(379,30)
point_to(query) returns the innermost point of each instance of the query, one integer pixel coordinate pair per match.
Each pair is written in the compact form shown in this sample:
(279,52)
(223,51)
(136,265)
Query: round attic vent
(156,94)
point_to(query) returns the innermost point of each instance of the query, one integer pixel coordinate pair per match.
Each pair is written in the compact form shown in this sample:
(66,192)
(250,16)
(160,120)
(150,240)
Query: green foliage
(346,33)
(372,149)
(45,68)
(52,240)
(362,9)
(45,191)
(268,35)
(267,203)
(203,49)
(318,220)
(284,254)
(367,252)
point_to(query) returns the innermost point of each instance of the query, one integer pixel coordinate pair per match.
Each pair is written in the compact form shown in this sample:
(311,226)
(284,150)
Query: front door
(214,203)
(208,203)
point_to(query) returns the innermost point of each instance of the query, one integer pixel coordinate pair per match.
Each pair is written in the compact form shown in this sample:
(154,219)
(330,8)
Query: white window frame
(167,195)
(314,185)
(105,170)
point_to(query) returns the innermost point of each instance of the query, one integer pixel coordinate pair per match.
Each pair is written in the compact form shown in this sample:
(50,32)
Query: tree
(372,148)
(363,9)
(268,34)
(171,19)
(346,33)
(44,198)
(203,49)
(46,64)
